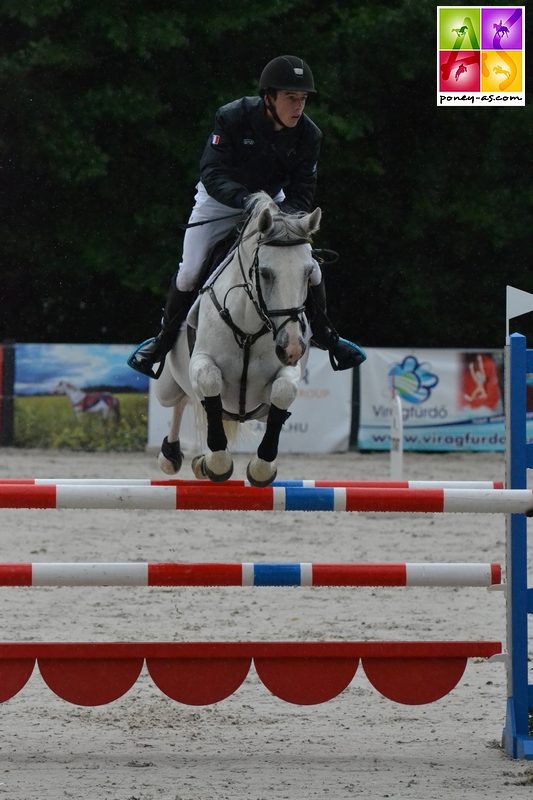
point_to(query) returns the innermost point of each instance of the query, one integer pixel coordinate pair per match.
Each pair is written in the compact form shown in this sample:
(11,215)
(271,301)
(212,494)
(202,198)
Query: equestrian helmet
(288,73)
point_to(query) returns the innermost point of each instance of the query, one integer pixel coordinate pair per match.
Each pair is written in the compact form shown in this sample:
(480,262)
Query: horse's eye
(266,274)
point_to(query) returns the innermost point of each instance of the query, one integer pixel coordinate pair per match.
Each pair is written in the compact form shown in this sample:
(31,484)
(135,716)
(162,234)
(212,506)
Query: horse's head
(281,268)
(64,387)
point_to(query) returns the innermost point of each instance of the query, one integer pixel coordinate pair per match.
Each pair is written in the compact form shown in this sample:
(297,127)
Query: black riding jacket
(244,154)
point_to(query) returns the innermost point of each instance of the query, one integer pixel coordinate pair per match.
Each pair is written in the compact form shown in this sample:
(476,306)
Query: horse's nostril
(281,354)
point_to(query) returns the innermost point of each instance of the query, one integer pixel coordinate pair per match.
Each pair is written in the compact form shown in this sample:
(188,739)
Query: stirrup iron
(146,367)
(353,355)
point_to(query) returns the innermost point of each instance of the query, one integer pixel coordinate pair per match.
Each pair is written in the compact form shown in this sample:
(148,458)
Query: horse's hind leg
(169,393)
(170,457)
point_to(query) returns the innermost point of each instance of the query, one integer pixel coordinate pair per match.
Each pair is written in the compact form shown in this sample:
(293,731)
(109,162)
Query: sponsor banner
(79,397)
(451,400)
(320,420)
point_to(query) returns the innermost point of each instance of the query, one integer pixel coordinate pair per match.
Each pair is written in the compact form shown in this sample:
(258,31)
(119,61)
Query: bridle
(267,315)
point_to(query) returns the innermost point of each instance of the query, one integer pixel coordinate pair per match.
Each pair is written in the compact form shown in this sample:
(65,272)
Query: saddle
(214,259)
(216,256)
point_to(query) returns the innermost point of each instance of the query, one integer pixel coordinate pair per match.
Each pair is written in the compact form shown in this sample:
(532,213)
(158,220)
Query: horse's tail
(231,427)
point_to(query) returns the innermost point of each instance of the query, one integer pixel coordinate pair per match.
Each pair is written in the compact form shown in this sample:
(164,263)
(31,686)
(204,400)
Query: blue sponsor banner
(451,400)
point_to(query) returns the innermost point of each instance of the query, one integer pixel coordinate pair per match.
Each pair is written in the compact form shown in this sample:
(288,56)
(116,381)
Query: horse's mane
(286,226)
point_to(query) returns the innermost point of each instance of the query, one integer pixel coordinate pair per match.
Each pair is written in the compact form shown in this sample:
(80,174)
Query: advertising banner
(79,397)
(320,420)
(452,400)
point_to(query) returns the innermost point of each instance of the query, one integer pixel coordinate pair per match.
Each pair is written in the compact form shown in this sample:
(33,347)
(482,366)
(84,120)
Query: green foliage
(49,422)
(106,107)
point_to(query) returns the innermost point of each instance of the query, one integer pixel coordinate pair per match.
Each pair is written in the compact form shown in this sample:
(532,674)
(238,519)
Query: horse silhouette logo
(501,29)
(499,70)
(103,403)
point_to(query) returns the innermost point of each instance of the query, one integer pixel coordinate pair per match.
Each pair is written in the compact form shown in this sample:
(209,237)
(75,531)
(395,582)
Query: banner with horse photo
(79,397)
(451,400)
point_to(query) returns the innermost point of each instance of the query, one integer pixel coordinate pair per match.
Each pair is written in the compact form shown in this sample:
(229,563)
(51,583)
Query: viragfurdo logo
(412,380)
(480,56)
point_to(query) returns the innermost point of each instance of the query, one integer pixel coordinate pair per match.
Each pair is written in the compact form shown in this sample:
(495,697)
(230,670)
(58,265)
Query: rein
(186,225)
(246,340)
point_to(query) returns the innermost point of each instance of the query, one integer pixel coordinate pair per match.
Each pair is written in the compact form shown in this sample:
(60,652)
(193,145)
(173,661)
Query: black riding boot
(343,354)
(153,351)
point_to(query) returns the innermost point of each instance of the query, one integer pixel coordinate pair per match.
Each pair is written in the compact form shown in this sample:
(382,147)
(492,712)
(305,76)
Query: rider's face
(289,107)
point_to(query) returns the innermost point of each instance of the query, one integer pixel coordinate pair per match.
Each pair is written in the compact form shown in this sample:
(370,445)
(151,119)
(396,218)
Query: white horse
(251,343)
(103,403)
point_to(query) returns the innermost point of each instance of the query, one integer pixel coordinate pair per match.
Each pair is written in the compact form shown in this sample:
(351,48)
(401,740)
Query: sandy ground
(252,745)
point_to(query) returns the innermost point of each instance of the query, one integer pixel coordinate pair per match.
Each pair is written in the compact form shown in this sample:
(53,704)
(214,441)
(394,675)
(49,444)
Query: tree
(106,107)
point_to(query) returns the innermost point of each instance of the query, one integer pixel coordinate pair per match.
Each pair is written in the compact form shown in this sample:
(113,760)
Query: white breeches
(200,240)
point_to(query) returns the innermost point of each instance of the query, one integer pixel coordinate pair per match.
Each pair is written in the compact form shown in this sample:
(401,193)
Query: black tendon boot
(153,351)
(343,354)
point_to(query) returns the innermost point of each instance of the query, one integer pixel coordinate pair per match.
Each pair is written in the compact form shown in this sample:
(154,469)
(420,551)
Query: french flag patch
(215,139)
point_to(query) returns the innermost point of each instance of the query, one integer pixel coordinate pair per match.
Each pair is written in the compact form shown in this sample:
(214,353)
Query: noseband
(265,314)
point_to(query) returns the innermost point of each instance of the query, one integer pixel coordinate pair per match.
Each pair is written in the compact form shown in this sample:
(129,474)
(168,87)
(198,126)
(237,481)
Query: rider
(258,143)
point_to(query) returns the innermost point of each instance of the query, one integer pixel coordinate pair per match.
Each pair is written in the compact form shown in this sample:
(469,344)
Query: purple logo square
(501,28)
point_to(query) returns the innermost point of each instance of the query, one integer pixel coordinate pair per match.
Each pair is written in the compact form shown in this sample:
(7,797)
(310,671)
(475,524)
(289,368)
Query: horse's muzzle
(289,350)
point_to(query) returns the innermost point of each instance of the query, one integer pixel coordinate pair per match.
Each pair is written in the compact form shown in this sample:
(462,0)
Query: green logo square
(459,28)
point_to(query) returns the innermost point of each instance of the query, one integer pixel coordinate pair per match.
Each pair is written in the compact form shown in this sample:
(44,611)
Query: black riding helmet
(288,73)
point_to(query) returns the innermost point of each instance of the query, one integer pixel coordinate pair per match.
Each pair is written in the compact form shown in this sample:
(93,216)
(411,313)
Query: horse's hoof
(264,472)
(218,466)
(198,467)
(170,458)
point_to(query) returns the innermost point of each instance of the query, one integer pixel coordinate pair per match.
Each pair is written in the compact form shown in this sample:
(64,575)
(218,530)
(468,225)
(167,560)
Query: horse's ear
(314,220)
(264,221)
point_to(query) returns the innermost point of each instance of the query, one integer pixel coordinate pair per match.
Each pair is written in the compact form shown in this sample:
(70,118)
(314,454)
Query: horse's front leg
(262,469)
(206,378)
